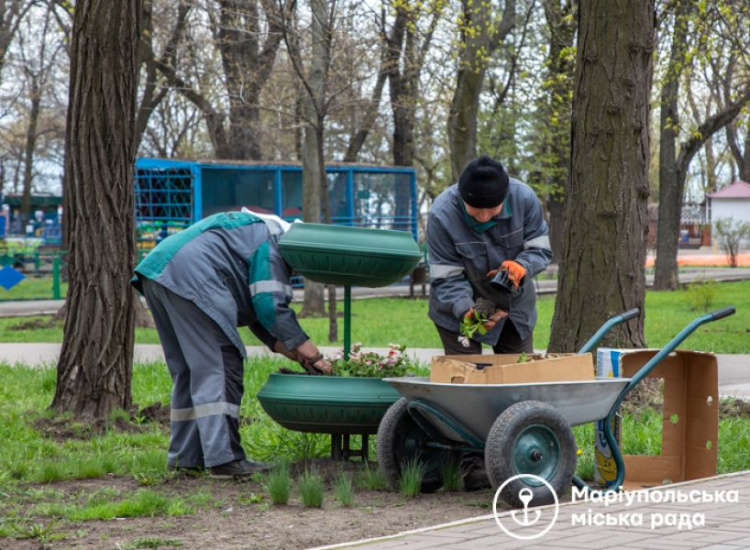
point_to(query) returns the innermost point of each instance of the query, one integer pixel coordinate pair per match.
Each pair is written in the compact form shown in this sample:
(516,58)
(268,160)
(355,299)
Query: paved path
(705,524)
(734,370)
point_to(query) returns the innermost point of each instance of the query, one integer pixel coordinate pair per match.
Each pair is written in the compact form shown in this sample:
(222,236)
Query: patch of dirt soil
(63,429)
(646,395)
(36,324)
(732,407)
(156,413)
(233,520)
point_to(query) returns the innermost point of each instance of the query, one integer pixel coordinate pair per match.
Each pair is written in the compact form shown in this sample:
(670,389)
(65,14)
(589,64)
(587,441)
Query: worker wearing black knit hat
(483,183)
(487,238)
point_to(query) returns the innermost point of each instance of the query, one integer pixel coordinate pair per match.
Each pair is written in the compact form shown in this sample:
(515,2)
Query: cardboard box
(690,417)
(505,369)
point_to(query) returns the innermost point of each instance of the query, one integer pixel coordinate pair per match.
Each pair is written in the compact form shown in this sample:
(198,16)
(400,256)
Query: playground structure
(43,224)
(172,194)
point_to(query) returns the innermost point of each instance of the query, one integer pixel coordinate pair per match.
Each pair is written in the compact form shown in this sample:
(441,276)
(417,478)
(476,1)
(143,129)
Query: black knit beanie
(483,183)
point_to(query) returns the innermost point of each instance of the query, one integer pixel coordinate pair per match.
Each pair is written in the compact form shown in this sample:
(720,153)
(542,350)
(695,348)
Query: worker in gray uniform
(487,238)
(221,273)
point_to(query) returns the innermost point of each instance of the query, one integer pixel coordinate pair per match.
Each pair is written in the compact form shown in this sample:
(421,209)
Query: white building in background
(731,202)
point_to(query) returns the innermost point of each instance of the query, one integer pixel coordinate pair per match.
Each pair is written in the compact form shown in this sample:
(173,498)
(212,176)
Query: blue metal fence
(171,194)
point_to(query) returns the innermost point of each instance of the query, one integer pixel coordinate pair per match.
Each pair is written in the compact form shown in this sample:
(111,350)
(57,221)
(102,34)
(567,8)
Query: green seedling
(473,324)
(311,489)
(277,485)
(372,479)
(344,490)
(412,473)
(451,472)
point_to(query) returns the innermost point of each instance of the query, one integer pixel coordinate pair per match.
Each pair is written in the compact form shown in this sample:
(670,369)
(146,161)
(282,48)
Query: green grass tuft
(451,472)
(412,473)
(278,482)
(344,490)
(372,479)
(152,543)
(311,489)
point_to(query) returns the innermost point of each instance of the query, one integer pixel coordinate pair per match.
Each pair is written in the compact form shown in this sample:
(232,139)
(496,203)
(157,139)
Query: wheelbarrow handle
(631,314)
(607,326)
(640,375)
(674,342)
(721,313)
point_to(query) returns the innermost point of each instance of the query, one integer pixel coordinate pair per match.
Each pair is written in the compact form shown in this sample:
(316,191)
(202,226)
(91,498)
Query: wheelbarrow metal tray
(349,256)
(477,406)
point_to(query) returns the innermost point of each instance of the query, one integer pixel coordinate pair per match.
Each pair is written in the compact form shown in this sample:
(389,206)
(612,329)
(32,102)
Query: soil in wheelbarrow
(232,515)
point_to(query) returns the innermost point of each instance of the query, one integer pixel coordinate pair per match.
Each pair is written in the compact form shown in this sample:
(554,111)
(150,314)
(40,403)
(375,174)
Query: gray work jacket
(230,266)
(461,256)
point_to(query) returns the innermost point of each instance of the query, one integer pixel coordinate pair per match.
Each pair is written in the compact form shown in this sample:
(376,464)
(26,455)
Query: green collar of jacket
(481,227)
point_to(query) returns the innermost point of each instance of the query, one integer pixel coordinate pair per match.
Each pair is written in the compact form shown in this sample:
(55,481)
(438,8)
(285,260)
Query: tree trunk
(94,372)
(669,216)
(480,38)
(741,155)
(556,116)
(31,137)
(313,304)
(11,14)
(314,180)
(602,269)
(670,195)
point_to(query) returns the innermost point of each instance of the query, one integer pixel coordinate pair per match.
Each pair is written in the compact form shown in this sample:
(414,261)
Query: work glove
(516,272)
(316,364)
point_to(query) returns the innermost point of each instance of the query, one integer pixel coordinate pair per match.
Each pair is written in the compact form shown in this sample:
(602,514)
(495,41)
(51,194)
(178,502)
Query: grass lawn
(378,322)
(40,453)
(32,288)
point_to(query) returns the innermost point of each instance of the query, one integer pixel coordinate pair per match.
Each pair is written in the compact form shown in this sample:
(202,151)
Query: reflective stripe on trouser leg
(185,446)
(214,409)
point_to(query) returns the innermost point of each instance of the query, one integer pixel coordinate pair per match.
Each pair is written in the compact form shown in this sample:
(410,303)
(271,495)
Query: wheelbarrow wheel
(400,439)
(530,437)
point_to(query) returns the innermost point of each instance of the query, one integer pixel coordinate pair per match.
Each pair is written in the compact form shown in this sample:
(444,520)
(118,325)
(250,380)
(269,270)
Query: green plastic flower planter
(349,256)
(328,404)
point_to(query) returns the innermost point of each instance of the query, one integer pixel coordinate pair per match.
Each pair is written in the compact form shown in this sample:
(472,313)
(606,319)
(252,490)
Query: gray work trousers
(207,388)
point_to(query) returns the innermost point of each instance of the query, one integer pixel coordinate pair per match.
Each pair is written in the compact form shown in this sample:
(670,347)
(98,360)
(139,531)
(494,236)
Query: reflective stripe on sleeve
(539,242)
(444,271)
(270,286)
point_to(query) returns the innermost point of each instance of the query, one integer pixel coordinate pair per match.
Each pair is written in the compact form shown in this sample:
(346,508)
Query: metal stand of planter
(342,407)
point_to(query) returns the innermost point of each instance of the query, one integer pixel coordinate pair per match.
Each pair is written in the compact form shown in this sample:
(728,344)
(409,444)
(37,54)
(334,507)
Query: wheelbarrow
(516,428)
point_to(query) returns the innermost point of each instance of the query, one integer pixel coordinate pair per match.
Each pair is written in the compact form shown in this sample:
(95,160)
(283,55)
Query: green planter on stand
(339,255)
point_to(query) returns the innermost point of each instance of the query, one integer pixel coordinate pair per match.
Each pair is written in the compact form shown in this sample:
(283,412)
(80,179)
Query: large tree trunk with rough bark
(602,271)
(95,368)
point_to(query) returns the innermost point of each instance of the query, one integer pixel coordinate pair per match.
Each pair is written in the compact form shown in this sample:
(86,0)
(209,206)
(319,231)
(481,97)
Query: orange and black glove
(516,272)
